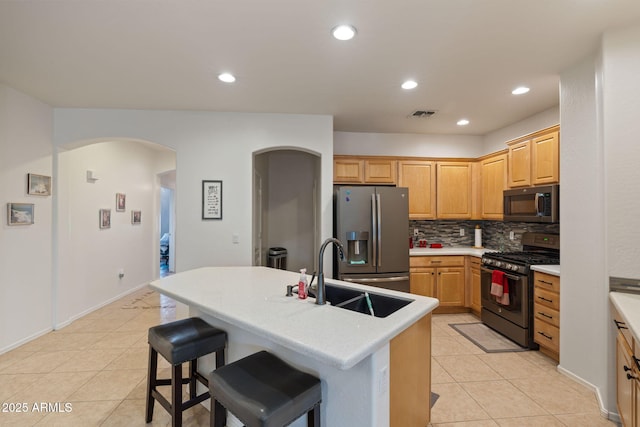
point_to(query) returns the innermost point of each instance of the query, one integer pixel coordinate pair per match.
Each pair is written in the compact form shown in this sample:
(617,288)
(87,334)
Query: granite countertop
(253,299)
(549,269)
(628,305)
(452,250)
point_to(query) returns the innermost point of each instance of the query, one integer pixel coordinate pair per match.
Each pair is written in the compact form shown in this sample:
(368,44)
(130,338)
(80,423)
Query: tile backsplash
(495,234)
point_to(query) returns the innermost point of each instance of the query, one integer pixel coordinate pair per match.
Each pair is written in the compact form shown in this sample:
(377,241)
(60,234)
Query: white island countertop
(253,299)
(554,270)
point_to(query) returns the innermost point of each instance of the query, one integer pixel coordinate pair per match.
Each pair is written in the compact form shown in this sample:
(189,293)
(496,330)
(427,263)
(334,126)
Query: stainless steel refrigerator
(373,225)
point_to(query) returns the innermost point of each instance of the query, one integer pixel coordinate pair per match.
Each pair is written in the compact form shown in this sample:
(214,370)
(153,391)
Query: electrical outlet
(512,235)
(415,232)
(235,238)
(462,232)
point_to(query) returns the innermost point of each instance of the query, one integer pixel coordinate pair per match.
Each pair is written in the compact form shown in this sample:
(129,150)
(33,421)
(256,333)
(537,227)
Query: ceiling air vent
(421,114)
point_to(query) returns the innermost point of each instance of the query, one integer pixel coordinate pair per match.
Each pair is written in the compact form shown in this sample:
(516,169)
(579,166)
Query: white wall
(211,146)
(495,141)
(413,145)
(90,258)
(25,251)
(583,301)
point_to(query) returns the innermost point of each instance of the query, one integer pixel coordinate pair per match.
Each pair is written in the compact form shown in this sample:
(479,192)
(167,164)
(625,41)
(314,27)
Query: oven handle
(510,276)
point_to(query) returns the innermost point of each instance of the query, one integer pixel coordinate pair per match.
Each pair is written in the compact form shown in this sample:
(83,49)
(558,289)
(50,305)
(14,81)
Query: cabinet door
(545,168)
(520,164)
(347,171)
(380,171)
(450,286)
(454,190)
(422,281)
(420,178)
(476,303)
(624,386)
(494,181)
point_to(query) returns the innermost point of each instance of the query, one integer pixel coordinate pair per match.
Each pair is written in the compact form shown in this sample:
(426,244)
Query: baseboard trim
(25,340)
(604,412)
(69,321)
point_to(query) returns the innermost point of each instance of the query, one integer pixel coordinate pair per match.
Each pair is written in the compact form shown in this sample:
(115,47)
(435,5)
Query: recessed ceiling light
(409,84)
(462,122)
(227,78)
(520,90)
(344,32)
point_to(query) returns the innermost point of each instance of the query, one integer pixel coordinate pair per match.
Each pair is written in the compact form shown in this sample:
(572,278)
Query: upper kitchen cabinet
(420,177)
(493,177)
(545,159)
(453,189)
(359,170)
(535,159)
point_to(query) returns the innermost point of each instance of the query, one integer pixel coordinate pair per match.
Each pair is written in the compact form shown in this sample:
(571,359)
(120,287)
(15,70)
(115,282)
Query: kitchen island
(374,371)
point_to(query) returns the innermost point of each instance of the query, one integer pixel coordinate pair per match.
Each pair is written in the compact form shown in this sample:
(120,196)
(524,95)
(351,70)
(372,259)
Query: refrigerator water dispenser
(357,247)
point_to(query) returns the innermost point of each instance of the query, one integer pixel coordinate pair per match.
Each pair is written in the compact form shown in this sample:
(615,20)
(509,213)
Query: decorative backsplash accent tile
(495,234)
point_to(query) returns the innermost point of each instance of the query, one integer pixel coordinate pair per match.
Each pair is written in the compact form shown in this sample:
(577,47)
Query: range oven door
(517,311)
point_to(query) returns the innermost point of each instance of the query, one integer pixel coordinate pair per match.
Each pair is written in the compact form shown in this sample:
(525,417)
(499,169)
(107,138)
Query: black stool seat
(262,390)
(186,339)
(179,342)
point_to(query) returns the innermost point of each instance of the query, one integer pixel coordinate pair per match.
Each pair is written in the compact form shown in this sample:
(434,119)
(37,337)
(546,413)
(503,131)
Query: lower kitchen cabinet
(546,309)
(627,373)
(441,277)
(474,279)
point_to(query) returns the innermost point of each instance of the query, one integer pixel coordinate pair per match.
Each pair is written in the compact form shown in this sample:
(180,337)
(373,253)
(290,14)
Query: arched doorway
(286,203)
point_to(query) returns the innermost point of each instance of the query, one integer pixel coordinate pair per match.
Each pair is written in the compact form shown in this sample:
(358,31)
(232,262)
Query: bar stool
(263,391)
(179,342)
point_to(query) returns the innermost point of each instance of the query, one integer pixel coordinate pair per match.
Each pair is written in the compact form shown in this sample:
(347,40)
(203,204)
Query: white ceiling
(467,56)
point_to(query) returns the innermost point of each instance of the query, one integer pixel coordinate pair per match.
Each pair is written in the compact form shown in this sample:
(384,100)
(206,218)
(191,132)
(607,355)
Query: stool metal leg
(151,382)
(193,368)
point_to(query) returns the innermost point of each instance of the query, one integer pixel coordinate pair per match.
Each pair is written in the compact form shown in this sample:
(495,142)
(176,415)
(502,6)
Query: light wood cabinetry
(356,170)
(493,177)
(453,190)
(420,178)
(441,277)
(348,170)
(627,373)
(545,159)
(474,283)
(410,375)
(546,308)
(535,159)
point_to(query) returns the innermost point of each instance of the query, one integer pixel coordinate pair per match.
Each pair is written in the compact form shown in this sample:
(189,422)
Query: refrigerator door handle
(374,227)
(379,230)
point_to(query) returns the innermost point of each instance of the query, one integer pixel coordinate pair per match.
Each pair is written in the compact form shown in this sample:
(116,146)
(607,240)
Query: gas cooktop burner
(530,258)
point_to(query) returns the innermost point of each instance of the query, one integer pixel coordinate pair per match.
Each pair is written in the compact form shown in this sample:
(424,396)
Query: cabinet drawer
(547,335)
(546,314)
(546,298)
(436,261)
(547,281)
(474,262)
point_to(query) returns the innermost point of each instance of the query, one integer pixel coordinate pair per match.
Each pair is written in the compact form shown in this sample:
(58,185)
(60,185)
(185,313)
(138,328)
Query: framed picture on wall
(105,218)
(38,185)
(136,217)
(20,213)
(211,199)
(121,202)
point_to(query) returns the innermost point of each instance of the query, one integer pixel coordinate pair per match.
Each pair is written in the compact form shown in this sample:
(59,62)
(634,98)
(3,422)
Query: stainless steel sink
(355,300)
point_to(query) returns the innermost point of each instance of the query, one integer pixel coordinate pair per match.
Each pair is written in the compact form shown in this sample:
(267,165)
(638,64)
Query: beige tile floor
(502,389)
(97,368)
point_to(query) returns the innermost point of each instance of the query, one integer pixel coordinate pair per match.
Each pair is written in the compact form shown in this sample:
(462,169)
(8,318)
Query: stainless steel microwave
(533,204)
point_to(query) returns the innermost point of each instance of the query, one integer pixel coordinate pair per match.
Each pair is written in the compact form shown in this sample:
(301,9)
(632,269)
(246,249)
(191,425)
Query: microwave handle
(537,202)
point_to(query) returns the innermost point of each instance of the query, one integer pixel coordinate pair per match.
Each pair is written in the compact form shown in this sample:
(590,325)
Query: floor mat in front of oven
(486,338)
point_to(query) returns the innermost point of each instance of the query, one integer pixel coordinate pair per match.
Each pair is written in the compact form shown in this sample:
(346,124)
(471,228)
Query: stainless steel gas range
(514,318)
